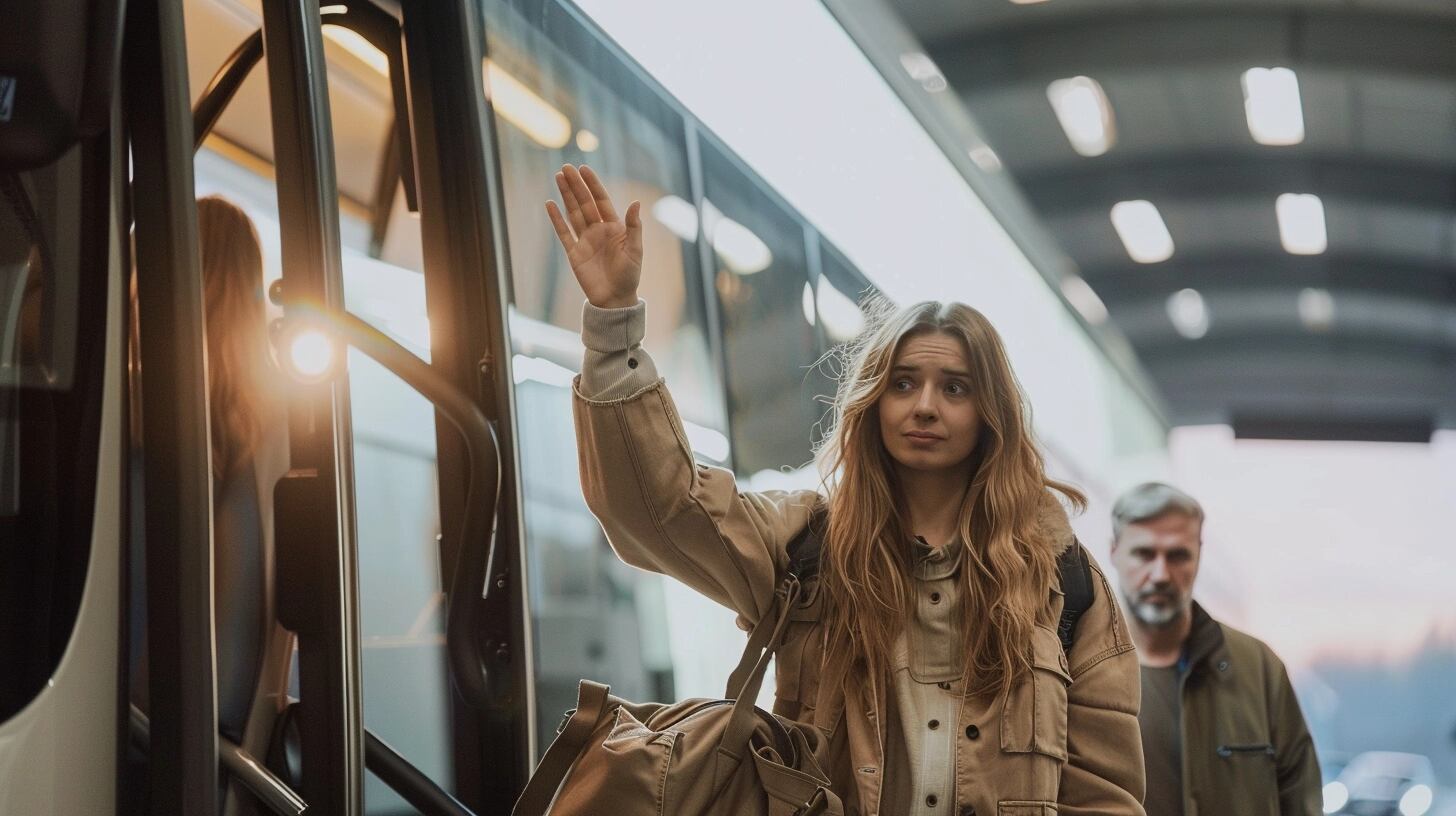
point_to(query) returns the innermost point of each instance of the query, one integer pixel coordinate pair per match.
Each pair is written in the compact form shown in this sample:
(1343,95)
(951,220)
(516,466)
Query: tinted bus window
(561,95)
(55,234)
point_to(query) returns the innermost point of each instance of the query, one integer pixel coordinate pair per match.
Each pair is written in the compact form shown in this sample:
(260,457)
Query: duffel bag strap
(740,723)
(591,699)
(766,634)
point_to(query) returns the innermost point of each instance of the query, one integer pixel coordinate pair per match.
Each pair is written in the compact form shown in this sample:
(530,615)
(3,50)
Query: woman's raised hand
(605,251)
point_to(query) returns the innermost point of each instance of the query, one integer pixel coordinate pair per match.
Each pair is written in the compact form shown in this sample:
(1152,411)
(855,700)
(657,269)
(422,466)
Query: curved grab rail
(469,667)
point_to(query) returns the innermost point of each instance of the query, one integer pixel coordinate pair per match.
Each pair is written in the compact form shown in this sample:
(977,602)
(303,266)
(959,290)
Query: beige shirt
(920,770)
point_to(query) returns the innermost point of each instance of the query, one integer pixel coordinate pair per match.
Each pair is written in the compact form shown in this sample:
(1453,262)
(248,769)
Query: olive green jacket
(1246,749)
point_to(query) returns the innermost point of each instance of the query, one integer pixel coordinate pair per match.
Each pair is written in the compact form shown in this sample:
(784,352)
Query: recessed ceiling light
(1188,313)
(923,69)
(1301,223)
(1271,103)
(1085,114)
(985,158)
(1141,228)
(1316,309)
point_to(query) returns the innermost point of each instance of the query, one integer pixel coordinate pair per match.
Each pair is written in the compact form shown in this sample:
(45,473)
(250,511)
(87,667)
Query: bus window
(765,295)
(560,94)
(53,268)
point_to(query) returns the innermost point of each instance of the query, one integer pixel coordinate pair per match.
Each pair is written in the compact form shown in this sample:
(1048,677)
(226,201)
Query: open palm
(605,251)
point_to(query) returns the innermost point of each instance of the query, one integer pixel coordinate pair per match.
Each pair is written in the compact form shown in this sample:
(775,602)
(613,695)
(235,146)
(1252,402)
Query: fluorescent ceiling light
(1271,103)
(525,109)
(1188,313)
(1316,309)
(1301,223)
(334,9)
(923,69)
(1084,300)
(741,250)
(680,217)
(1336,796)
(587,141)
(1416,801)
(985,158)
(355,44)
(1141,228)
(1085,114)
(843,320)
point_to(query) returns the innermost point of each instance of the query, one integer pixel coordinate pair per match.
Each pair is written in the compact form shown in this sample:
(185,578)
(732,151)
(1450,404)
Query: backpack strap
(1076,573)
(1077,587)
(805,548)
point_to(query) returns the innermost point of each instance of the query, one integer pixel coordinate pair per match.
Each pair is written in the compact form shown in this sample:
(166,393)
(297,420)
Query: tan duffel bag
(699,757)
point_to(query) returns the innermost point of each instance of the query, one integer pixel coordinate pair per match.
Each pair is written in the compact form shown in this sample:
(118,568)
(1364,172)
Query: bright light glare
(808,303)
(1316,309)
(1271,103)
(707,441)
(336,9)
(985,158)
(540,370)
(525,109)
(311,353)
(680,217)
(1141,228)
(1188,313)
(1336,796)
(923,69)
(740,248)
(355,44)
(1416,801)
(1301,223)
(1085,114)
(587,141)
(1084,300)
(842,317)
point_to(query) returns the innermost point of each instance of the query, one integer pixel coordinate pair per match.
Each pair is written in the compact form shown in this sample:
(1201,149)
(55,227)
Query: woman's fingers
(634,230)
(583,194)
(568,198)
(563,232)
(599,194)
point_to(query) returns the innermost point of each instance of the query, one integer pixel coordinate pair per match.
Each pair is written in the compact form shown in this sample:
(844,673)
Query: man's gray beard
(1156,616)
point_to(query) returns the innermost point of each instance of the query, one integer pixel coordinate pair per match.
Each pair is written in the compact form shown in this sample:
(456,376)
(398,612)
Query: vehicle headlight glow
(1336,796)
(1416,801)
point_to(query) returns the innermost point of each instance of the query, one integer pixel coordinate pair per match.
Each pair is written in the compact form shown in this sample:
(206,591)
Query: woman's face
(928,417)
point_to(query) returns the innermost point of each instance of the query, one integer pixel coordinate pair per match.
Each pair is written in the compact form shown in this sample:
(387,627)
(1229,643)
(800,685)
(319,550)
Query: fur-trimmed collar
(1052,524)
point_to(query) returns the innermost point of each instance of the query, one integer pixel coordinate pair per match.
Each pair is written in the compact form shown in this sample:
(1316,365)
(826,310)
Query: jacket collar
(1206,648)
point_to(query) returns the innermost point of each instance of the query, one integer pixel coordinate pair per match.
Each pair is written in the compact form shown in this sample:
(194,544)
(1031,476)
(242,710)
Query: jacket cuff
(609,330)
(615,365)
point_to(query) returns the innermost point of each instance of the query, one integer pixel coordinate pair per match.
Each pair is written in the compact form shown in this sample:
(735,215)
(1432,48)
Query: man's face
(1157,562)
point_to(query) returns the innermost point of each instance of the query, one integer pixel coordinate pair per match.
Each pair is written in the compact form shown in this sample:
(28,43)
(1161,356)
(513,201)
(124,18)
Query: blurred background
(1218,236)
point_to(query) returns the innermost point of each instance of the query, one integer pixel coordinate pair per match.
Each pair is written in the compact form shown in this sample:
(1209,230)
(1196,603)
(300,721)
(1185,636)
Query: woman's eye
(956,389)
(903,385)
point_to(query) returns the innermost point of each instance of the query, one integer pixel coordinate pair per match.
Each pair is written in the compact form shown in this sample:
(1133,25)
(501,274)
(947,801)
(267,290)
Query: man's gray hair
(1152,500)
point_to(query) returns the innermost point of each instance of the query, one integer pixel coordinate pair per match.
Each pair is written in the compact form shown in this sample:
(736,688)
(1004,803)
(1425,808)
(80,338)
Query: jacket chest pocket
(797,665)
(1035,715)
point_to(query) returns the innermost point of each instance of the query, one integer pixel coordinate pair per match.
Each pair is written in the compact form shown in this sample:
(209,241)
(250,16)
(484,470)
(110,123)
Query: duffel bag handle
(740,723)
(591,700)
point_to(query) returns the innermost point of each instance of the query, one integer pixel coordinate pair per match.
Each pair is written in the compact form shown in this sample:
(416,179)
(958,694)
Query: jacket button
(944,686)
(934,724)
(935,597)
(968,810)
(931,800)
(972,732)
(631,362)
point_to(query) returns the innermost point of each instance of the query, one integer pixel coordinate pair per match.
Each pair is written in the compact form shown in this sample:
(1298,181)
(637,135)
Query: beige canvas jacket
(1064,741)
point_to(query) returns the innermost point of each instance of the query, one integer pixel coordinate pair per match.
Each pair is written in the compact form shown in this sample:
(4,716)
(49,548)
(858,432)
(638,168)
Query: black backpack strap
(1077,587)
(805,548)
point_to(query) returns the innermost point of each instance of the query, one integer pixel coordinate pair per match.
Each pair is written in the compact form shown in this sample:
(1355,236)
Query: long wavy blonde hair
(867,553)
(241,378)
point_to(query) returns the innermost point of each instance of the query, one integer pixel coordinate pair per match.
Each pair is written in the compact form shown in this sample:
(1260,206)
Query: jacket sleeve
(1104,773)
(1296,763)
(661,510)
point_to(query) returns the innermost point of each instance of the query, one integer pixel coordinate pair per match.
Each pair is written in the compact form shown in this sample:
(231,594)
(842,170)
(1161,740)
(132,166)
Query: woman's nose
(925,404)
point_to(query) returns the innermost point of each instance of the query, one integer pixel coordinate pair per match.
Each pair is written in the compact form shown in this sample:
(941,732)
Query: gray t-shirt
(1161,718)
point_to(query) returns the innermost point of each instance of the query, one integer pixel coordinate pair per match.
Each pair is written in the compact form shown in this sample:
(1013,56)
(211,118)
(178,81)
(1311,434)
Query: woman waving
(927,651)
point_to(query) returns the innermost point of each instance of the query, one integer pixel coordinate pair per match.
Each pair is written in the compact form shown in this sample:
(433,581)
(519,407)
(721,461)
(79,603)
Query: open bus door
(441,152)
